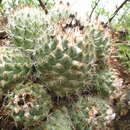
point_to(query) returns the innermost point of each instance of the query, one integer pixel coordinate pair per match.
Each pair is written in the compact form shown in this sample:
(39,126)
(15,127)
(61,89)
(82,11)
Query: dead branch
(42,4)
(116,11)
(96,3)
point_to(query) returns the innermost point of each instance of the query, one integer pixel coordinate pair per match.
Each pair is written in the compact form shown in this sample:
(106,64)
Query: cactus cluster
(65,56)
(66,61)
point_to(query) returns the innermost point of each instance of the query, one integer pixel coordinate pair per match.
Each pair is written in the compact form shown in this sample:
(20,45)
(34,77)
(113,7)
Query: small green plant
(124,56)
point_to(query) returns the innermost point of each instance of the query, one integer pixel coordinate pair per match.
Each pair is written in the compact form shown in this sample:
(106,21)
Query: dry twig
(42,4)
(116,11)
(96,3)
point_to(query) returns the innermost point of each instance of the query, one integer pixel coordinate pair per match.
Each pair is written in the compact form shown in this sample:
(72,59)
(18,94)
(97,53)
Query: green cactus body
(68,66)
(67,54)
(91,113)
(26,26)
(28,104)
(61,72)
(14,66)
(102,83)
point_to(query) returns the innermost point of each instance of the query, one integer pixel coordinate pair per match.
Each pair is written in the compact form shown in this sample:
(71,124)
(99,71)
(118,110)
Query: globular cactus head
(91,113)
(69,59)
(26,26)
(102,83)
(28,104)
(15,66)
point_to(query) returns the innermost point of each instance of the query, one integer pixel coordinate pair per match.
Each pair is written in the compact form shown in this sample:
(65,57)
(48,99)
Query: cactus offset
(28,104)
(91,113)
(14,66)
(26,26)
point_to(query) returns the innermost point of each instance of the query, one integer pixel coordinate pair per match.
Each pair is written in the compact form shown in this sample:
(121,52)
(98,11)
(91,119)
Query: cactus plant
(28,104)
(91,113)
(68,55)
(68,66)
(69,58)
(59,120)
(103,83)
(26,26)
(14,66)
